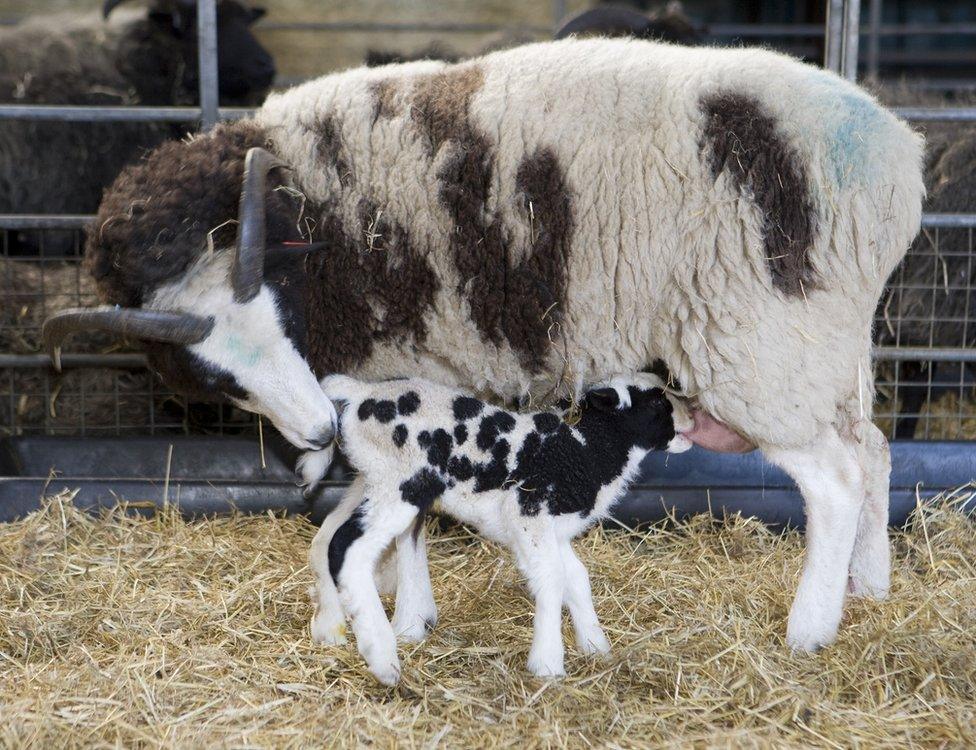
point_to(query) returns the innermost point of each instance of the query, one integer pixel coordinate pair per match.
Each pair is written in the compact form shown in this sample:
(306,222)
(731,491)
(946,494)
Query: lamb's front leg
(328,620)
(416,613)
(537,551)
(590,637)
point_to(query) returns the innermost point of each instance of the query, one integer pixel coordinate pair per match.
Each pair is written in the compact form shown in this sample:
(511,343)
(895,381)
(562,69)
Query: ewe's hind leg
(353,553)
(590,637)
(870,570)
(830,479)
(537,552)
(328,622)
(416,613)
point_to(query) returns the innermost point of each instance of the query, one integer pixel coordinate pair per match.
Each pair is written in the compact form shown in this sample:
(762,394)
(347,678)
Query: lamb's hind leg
(830,479)
(416,613)
(870,570)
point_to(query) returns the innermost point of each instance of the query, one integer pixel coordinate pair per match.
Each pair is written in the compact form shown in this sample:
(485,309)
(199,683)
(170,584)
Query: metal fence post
(207,57)
(833,33)
(874,39)
(852,30)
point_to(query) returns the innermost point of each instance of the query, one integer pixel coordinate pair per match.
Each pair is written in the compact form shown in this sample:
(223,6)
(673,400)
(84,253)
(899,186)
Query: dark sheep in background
(667,23)
(146,58)
(663,24)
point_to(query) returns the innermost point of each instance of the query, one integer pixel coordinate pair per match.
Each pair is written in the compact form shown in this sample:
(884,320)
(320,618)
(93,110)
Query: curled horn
(248,271)
(154,325)
(604,20)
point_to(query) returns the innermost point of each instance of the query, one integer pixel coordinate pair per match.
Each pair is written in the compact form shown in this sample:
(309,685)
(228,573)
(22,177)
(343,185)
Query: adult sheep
(533,220)
(135,57)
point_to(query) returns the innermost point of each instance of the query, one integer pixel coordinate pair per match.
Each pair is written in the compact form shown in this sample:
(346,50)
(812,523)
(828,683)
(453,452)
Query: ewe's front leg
(870,571)
(537,551)
(590,638)
(830,480)
(416,613)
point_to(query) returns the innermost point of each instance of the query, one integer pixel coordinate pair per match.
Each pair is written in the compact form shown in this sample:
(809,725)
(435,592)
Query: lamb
(536,219)
(529,481)
(141,58)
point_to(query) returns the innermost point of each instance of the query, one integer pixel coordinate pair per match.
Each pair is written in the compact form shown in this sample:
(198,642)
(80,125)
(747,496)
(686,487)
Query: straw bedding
(161,632)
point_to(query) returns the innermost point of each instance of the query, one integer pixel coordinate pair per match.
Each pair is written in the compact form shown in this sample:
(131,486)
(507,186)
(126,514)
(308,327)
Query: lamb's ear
(606,399)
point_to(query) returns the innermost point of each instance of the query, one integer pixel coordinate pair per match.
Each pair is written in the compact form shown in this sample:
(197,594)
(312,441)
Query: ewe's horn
(154,325)
(248,271)
(603,20)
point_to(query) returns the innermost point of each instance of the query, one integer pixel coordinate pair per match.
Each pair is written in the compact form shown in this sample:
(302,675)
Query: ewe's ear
(606,399)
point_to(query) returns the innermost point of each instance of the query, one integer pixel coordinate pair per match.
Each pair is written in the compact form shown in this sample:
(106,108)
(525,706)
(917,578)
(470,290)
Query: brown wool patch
(517,303)
(328,147)
(440,103)
(742,140)
(385,97)
(371,286)
(154,220)
(537,286)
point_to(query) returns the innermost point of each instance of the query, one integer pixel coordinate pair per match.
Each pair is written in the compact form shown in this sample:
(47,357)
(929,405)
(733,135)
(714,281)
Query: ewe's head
(245,69)
(217,324)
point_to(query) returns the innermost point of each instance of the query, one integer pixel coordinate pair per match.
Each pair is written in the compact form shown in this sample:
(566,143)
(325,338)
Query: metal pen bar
(949,221)
(558,13)
(207,56)
(446,27)
(936,114)
(80,221)
(45,221)
(833,43)
(874,38)
(924,354)
(799,30)
(852,24)
(120,361)
(72,113)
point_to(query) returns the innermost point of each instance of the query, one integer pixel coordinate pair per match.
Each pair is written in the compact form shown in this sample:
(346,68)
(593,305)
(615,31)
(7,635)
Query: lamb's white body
(427,451)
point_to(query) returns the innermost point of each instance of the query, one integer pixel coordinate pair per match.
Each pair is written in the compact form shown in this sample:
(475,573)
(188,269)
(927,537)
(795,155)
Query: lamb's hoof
(382,660)
(328,632)
(809,636)
(593,644)
(546,665)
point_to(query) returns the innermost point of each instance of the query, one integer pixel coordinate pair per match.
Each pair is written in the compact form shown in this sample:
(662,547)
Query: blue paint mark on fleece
(243,353)
(855,130)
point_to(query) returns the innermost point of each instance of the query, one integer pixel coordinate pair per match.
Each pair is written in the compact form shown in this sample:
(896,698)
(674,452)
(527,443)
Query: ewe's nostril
(323,437)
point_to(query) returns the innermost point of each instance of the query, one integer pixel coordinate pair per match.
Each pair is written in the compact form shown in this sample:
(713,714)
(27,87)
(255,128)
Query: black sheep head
(168,50)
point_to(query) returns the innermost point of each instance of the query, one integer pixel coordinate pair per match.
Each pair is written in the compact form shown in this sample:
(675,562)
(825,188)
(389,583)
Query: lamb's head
(168,39)
(216,324)
(643,412)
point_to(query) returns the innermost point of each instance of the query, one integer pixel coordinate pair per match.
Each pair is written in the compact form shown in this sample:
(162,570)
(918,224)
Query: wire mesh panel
(40,274)
(930,304)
